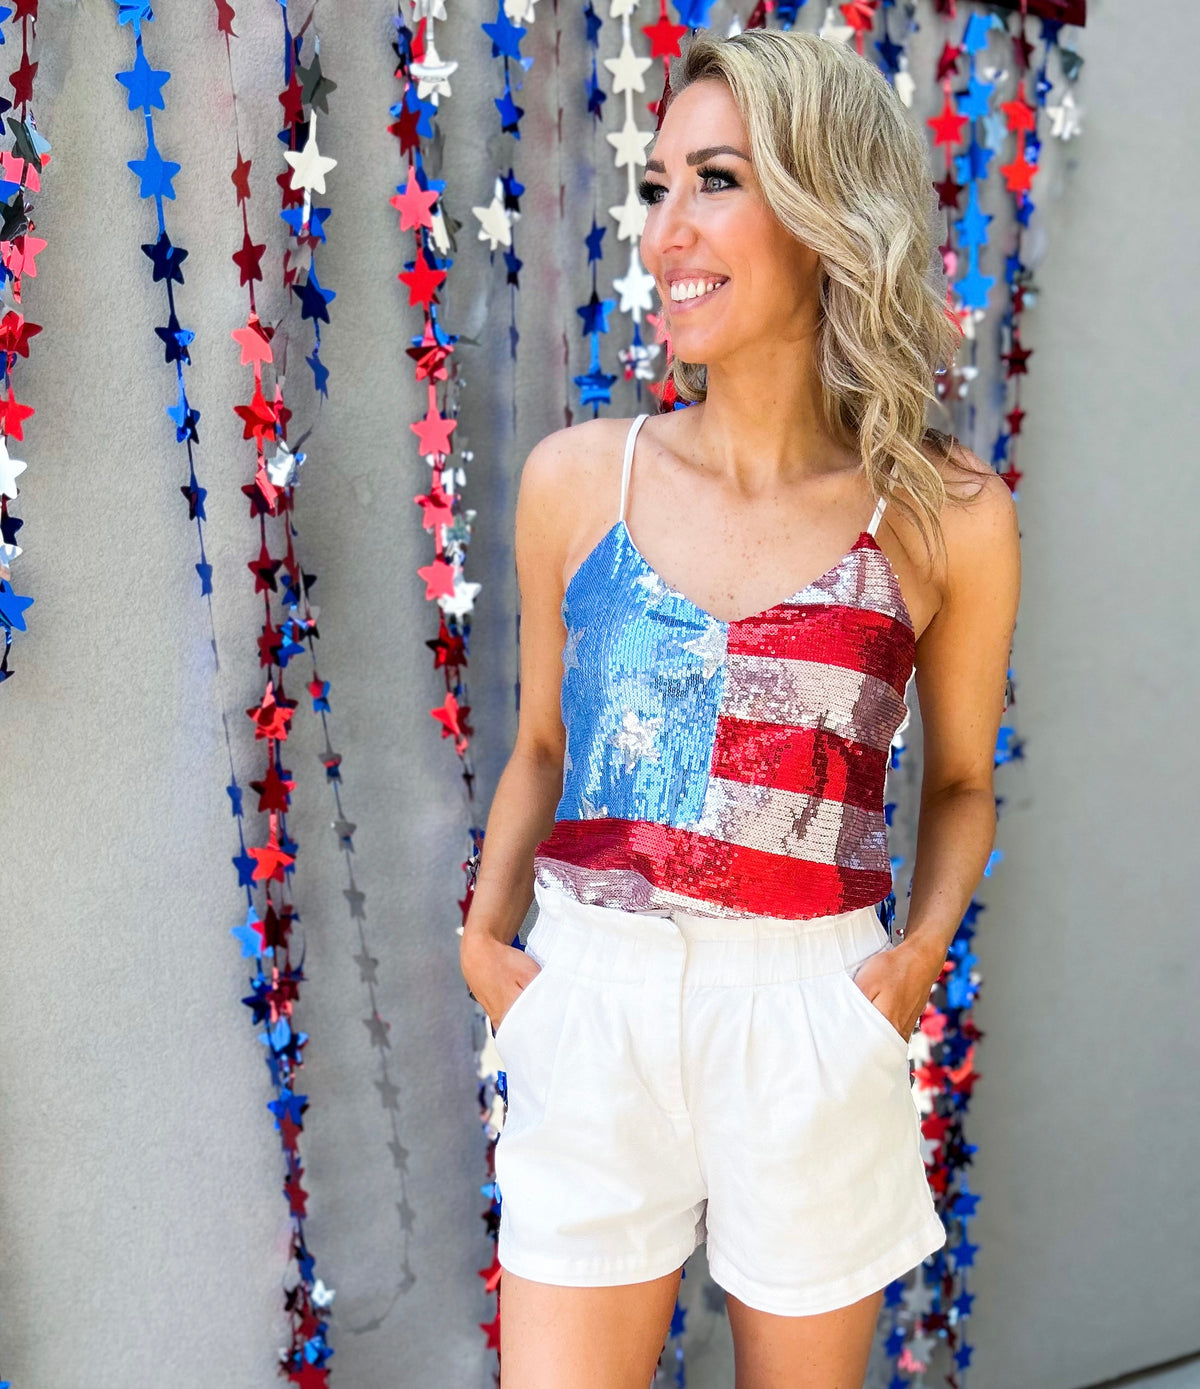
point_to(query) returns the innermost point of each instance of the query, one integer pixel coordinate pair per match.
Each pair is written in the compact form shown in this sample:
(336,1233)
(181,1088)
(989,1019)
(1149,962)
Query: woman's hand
(898,982)
(495,973)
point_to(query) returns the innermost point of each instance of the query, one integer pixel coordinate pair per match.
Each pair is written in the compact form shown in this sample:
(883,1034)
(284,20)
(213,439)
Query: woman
(710,1039)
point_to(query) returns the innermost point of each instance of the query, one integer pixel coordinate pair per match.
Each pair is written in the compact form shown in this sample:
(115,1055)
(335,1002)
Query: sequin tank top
(727,768)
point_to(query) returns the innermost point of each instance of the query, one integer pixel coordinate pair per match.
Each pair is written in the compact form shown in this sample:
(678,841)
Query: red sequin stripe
(696,865)
(859,639)
(810,760)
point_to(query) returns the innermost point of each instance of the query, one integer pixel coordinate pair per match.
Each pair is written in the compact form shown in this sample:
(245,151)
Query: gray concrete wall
(144,1232)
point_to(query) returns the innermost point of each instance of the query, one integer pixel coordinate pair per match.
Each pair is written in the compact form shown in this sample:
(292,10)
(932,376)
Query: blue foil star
(154,171)
(144,84)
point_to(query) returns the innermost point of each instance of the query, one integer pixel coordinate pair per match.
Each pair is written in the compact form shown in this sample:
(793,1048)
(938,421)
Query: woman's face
(708,222)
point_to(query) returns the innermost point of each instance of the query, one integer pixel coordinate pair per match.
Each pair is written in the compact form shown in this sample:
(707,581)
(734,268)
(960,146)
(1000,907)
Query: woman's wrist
(927,945)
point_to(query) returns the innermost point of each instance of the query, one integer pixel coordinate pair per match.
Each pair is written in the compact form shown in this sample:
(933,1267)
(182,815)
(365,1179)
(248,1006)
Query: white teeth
(693,289)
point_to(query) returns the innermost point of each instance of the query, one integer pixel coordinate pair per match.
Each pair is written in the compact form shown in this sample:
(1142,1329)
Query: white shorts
(678,1080)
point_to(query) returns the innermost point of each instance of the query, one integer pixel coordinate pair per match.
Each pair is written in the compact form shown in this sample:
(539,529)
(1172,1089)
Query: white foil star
(832,30)
(630,143)
(636,288)
(10,469)
(309,165)
(635,739)
(630,217)
(1067,118)
(628,70)
(433,73)
(462,600)
(495,220)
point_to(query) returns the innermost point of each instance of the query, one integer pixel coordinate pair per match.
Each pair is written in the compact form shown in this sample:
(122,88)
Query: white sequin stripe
(812,694)
(869,583)
(793,823)
(628,889)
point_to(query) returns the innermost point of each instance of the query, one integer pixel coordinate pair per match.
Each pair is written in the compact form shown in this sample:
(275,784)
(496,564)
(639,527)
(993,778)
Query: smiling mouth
(682,305)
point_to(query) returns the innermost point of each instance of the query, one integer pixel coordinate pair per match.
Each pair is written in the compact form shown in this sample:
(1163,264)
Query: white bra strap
(630,439)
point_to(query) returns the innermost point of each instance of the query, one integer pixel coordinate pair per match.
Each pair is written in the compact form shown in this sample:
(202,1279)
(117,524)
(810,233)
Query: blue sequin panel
(643,675)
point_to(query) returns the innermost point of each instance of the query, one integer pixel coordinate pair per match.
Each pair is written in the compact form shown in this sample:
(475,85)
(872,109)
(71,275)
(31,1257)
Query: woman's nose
(669,227)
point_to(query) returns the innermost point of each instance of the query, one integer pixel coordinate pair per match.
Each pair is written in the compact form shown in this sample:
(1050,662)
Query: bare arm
(961,668)
(522,809)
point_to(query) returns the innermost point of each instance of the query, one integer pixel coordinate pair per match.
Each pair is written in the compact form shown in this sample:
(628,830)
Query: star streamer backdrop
(273,999)
(21,168)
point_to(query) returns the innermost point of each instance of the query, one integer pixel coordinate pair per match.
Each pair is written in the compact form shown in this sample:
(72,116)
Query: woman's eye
(648,191)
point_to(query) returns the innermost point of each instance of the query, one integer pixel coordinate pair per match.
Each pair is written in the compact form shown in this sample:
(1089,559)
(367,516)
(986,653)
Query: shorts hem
(914,1249)
(598,1273)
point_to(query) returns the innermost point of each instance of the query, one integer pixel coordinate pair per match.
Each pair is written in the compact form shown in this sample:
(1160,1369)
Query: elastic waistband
(612,943)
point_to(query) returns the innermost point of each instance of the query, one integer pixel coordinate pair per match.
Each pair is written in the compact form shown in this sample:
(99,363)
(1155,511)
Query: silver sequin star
(635,739)
(710,647)
(654,586)
(569,658)
(589,810)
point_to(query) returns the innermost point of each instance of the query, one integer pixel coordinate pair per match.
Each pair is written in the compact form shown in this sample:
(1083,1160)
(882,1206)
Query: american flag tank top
(727,768)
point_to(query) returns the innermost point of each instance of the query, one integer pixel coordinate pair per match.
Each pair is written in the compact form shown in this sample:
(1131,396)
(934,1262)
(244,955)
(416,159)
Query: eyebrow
(656,166)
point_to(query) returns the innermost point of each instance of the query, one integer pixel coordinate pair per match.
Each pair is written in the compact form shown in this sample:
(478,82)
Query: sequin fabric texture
(727,768)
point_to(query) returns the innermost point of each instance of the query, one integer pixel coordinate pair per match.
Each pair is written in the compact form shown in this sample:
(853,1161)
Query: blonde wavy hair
(847,174)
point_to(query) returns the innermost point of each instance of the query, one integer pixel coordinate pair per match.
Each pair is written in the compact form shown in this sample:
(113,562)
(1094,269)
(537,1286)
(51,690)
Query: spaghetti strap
(630,439)
(880,506)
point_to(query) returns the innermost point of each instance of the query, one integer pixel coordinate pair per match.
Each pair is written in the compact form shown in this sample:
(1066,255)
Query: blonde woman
(705,1034)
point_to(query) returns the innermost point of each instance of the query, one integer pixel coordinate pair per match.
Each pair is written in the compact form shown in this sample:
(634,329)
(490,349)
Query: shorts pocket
(875,1018)
(518,1006)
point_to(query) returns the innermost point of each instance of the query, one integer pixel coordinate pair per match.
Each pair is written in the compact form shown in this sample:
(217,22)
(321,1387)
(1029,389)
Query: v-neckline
(763,612)
(749,617)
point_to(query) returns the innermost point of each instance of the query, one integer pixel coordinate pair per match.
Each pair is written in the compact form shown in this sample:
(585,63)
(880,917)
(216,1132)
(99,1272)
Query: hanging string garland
(305,1360)
(276,986)
(20,176)
(497,219)
(425,78)
(156,176)
(639,359)
(595,384)
(274,485)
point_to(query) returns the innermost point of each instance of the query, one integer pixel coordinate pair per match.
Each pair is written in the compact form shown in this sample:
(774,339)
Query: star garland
(20,175)
(419,200)
(639,360)
(156,176)
(937,1303)
(595,384)
(498,218)
(276,985)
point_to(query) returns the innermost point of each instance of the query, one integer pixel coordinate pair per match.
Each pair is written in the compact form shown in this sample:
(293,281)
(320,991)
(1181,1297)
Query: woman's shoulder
(979,520)
(573,469)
